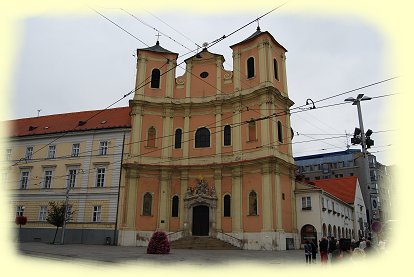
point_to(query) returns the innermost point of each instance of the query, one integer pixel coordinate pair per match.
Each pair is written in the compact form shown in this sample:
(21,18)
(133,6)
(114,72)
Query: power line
(155,29)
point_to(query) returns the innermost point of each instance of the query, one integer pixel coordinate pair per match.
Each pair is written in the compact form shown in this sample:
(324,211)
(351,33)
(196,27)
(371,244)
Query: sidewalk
(122,254)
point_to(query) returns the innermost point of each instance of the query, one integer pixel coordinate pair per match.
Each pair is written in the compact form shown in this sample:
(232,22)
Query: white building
(330,207)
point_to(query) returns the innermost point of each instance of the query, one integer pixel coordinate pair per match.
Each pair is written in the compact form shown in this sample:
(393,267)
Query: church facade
(210,151)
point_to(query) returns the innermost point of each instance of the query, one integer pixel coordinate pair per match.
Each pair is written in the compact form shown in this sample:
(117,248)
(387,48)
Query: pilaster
(236,205)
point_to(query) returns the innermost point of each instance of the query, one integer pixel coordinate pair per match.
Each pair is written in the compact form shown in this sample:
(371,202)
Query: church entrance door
(200,220)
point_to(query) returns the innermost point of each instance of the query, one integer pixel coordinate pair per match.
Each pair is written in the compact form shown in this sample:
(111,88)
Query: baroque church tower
(210,151)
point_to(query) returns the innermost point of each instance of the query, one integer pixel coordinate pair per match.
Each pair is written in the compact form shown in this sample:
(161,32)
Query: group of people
(334,250)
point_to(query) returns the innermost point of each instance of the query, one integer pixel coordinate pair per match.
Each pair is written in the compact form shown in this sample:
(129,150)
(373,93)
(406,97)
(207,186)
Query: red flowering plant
(159,244)
(21,220)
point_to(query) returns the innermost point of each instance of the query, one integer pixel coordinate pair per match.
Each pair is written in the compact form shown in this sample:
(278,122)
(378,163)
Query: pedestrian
(358,254)
(362,243)
(336,253)
(331,247)
(323,248)
(353,245)
(314,251)
(308,252)
(368,247)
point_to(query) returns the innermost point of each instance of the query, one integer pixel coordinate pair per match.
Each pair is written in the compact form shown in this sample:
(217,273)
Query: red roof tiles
(70,122)
(343,188)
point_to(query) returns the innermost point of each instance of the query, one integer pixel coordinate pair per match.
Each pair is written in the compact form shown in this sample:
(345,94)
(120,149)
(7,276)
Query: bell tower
(155,72)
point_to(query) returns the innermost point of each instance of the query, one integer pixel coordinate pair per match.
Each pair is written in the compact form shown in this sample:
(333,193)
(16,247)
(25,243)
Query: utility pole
(366,190)
(66,211)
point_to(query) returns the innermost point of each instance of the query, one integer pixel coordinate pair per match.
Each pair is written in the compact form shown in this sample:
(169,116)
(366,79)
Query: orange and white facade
(210,151)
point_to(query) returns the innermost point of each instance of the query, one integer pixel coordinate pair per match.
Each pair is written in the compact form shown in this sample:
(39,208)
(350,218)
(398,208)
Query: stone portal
(200,205)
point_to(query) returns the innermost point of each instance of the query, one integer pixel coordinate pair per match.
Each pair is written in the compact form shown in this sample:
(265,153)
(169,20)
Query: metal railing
(178,233)
(232,240)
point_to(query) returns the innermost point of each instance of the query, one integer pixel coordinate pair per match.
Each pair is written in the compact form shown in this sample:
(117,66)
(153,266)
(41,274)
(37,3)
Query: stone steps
(206,243)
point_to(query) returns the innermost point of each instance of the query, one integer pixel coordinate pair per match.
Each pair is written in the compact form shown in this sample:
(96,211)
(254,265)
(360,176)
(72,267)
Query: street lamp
(357,102)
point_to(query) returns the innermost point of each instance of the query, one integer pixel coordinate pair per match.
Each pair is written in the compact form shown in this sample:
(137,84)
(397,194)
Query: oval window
(204,74)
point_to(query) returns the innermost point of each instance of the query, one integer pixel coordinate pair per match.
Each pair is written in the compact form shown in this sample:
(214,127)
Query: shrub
(159,244)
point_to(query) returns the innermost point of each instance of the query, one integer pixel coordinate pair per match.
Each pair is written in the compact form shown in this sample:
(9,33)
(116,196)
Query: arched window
(174,210)
(202,138)
(227,205)
(324,230)
(227,135)
(279,131)
(339,233)
(276,69)
(334,232)
(252,203)
(178,137)
(329,230)
(151,137)
(252,130)
(147,204)
(155,78)
(308,233)
(250,67)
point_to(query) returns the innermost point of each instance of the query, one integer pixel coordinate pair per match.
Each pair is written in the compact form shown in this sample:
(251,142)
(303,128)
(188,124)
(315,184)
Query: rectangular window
(252,130)
(19,210)
(75,149)
(52,151)
(100,177)
(47,179)
(29,153)
(103,148)
(96,217)
(24,179)
(43,213)
(306,203)
(72,178)
(323,203)
(8,154)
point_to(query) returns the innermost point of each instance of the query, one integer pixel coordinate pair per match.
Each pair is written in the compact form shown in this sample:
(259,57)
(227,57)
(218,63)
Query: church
(210,151)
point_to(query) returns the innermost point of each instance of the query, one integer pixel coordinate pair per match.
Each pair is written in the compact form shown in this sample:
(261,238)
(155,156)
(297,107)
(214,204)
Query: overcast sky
(83,62)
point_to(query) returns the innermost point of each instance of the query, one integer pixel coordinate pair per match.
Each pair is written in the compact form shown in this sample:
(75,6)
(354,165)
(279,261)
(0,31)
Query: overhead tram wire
(100,111)
(242,150)
(349,91)
(123,29)
(175,30)
(147,82)
(157,30)
(214,42)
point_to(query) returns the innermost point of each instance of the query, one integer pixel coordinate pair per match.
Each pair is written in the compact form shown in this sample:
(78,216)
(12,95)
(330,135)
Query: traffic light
(368,141)
(357,137)
(358,140)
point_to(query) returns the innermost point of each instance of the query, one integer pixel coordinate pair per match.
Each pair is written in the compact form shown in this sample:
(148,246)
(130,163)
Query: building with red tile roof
(70,122)
(76,154)
(343,188)
(331,207)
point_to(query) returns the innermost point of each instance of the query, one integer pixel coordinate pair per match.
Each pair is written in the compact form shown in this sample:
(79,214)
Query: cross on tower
(158,36)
